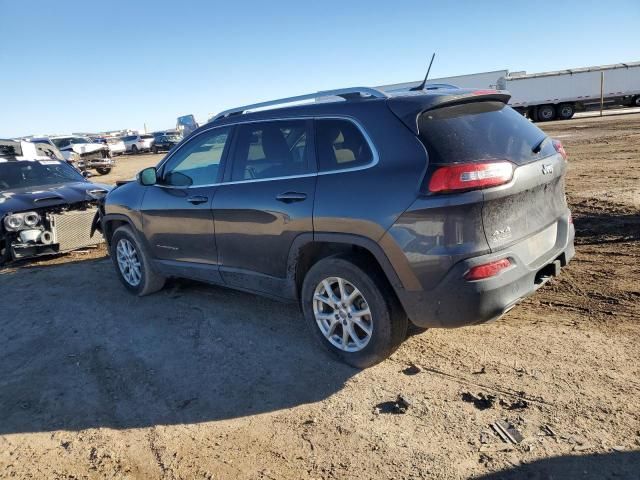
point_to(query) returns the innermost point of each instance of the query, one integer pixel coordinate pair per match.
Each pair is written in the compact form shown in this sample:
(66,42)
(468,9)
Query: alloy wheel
(342,314)
(128,262)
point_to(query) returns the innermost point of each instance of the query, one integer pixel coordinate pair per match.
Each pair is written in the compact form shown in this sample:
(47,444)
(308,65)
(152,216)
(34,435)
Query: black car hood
(30,198)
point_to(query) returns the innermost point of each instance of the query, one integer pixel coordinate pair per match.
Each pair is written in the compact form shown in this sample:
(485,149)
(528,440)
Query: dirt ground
(204,382)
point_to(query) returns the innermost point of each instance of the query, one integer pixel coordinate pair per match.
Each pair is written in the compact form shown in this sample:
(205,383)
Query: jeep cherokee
(374,211)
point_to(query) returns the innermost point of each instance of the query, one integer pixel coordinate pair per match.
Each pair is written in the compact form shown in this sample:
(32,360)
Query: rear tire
(155,150)
(133,265)
(385,327)
(103,170)
(134,150)
(636,101)
(566,111)
(546,113)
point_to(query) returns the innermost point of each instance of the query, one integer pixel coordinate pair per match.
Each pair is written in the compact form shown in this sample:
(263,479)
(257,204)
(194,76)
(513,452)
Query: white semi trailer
(558,95)
(553,95)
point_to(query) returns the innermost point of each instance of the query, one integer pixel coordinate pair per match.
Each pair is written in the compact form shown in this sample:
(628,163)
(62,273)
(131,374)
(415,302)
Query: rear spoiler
(408,107)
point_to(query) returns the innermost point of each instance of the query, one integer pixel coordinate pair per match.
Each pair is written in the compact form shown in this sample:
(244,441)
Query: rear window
(480,131)
(340,145)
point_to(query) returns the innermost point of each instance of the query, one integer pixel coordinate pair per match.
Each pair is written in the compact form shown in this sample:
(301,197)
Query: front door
(266,203)
(177,217)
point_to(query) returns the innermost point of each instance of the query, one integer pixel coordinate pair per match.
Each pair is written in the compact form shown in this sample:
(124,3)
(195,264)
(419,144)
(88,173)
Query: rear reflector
(557,144)
(487,270)
(470,176)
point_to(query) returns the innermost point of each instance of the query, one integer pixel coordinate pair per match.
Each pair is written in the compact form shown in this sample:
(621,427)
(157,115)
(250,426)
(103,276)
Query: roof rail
(346,93)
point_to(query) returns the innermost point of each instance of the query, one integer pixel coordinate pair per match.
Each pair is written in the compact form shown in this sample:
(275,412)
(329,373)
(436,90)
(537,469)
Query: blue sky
(87,66)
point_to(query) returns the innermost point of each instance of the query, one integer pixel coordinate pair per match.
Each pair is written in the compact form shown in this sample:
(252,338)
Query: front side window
(197,163)
(271,149)
(341,144)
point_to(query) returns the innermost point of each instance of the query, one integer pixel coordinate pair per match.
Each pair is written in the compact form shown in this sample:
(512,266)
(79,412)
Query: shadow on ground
(77,351)
(622,466)
(606,227)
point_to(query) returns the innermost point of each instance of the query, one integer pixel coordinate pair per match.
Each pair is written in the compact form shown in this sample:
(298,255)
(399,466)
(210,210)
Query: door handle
(290,197)
(197,200)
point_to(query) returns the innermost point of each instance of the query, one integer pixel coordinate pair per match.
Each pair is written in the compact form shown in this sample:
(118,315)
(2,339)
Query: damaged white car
(46,205)
(82,152)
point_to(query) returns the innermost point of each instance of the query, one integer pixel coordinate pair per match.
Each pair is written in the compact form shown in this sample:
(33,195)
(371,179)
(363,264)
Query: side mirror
(148,176)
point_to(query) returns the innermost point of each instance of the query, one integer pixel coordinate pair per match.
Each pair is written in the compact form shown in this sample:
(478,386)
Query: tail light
(487,270)
(483,92)
(557,144)
(470,176)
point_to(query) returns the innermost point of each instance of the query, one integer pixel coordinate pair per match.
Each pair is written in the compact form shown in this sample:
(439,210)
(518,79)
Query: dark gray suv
(374,211)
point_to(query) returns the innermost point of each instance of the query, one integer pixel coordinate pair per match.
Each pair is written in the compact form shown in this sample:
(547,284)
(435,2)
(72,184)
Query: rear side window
(480,131)
(271,149)
(340,144)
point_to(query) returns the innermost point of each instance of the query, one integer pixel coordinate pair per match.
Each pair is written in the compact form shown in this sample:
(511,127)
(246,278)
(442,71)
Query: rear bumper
(456,302)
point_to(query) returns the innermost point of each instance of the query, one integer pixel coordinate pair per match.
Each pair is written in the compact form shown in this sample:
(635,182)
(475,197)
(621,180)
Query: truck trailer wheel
(566,111)
(546,113)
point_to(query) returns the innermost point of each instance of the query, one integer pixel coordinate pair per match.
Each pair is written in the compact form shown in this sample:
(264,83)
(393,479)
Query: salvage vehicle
(436,208)
(82,153)
(163,141)
(116,146)
(138,143)
(46,205)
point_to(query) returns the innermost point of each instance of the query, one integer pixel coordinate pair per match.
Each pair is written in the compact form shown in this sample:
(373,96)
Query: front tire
(155,150)
(134,150)
(103,170)
(133,265)
(352,310)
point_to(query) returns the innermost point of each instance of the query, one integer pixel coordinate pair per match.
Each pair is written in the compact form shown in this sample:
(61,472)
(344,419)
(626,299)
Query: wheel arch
(111,222)
(308,249)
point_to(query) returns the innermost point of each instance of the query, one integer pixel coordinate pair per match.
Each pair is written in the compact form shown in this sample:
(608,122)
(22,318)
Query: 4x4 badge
(547,169)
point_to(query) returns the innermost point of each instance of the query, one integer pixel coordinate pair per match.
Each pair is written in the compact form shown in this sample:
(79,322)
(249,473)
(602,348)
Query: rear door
(485,131)
(266,203)
(177,216)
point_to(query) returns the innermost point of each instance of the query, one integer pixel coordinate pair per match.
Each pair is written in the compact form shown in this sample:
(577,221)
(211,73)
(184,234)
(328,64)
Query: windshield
(63,142)
(23,173)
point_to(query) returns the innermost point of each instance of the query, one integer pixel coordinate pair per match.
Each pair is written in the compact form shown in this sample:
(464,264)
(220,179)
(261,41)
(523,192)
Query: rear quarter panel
(367,201)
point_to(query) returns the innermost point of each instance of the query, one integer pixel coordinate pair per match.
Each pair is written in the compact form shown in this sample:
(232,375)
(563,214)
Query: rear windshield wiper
(538,146)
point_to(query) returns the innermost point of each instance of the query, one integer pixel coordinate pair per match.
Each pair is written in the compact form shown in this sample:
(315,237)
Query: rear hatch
(526,206)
